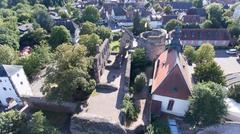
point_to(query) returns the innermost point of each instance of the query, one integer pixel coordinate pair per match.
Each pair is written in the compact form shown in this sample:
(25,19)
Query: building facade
(13,84)
(196,37)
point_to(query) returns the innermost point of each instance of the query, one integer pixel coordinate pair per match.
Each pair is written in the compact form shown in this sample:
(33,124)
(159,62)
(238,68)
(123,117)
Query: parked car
(231,51)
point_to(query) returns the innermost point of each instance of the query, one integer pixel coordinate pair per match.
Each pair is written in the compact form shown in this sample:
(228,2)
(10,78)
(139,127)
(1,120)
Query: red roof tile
(171,72)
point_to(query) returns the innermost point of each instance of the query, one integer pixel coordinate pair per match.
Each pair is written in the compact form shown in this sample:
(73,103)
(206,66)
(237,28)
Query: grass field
(114,46)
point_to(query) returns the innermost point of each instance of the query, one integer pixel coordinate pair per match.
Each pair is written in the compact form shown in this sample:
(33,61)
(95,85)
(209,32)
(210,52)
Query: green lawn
(114,46)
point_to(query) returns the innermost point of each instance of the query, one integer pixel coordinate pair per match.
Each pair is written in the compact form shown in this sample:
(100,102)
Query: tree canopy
(205,53)
(69,73)
(44,20)
(39,58)
(190,53)
(207,105)
(210,71)
(215,13)
(7,55)
(12,122)
(40,125)
(198,3)
(140,82)
(91,14)
(90,41)
(172,24)
(59,35)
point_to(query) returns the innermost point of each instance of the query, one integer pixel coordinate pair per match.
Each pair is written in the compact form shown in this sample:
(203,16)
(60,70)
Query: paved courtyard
(105,103)
(228,63)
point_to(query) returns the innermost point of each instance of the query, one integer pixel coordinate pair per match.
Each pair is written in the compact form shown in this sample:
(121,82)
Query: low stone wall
(42,103)
(84,123)
(106,86)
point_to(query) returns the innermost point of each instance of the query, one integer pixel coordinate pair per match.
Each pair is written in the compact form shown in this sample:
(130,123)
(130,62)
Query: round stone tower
(154,42)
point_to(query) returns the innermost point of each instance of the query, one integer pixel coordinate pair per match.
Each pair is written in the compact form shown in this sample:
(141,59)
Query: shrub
(234,93)
(130,109)
(140,82)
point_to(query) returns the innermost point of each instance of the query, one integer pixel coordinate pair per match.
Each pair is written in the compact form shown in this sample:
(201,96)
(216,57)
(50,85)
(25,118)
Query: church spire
(175,40)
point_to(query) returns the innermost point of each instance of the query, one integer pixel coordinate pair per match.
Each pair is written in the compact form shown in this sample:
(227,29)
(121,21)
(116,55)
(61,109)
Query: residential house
(167,18)
(226,3)
(201,12)
(178,6)
(71,26)
(196,37)
(118,13)
(155,21)
(190,19)
(13,85)
(100,60)
(172,85)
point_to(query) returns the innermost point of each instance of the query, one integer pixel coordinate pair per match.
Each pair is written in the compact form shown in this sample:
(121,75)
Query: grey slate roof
(119,11)
(9,70)
(69,24)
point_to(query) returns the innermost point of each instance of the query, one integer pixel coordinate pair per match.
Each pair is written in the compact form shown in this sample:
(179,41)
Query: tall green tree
(90,41)
(59,35)
(40,125)
(139,62)
(69,75)
(40,57)
(130,109)
(198,3)
(136,23)
(34,37)
(140,82)
(44,19)
(91,14)
(12,122)
(215,13)
(3,3)
(172,24)
(103,32)
(167,9)
(190,53)
(209,71)
(88,28)
(205,53)
(207,105)
(7,55)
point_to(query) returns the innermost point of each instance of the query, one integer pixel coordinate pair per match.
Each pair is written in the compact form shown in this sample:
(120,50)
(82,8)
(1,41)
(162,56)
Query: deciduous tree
(91,14)
(140,82)
(7,55)
(207,105)
(209,71)
(88,28)
(40,125)
(90,41)
(69,74)
(44,20)
(205,53)
(172,24)
(59,35)
(12,122)
(190,53)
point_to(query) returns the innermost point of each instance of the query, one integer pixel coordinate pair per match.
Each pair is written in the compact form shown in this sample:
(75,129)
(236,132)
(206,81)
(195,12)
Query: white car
(231,51)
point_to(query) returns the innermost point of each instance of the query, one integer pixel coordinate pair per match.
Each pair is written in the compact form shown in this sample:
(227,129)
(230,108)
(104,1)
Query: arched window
(170,105)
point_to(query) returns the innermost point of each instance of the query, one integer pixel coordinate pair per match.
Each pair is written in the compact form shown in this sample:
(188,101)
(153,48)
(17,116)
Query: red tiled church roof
(171,73)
